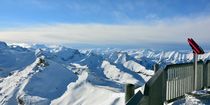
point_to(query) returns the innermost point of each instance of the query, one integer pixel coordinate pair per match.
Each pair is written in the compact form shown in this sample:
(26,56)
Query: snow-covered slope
(14,58)
(84,93)
(41,75)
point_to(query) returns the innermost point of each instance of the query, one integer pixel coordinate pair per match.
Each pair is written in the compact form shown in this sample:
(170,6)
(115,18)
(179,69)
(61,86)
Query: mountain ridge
(41,74)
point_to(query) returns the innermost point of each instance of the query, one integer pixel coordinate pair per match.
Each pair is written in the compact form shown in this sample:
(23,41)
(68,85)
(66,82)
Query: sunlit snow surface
(201,97)
(41,75)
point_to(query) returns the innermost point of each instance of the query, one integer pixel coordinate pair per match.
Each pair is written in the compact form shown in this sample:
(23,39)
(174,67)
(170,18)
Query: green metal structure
(172,83)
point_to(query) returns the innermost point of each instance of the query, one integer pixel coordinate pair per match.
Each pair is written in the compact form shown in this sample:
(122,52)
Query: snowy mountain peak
(3,45)
(44,75)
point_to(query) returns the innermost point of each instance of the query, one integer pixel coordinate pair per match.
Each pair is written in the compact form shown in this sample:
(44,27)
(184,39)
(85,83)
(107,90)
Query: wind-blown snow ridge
(42,75)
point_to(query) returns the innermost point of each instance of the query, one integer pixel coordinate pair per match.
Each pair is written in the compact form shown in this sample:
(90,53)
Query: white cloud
(171,31)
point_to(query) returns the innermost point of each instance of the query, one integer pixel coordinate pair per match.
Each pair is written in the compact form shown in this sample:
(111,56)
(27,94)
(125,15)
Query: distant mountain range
(42,75)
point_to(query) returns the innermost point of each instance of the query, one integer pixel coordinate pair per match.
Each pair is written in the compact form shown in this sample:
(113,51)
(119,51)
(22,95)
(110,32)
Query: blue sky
(98,11)
(105,23)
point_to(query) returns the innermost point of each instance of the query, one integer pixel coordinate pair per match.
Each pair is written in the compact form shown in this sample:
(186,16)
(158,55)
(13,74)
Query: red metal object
(196,49)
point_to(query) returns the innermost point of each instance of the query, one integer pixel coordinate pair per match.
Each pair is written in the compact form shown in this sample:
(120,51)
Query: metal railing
(181,79)
(173,82)
(207,74)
